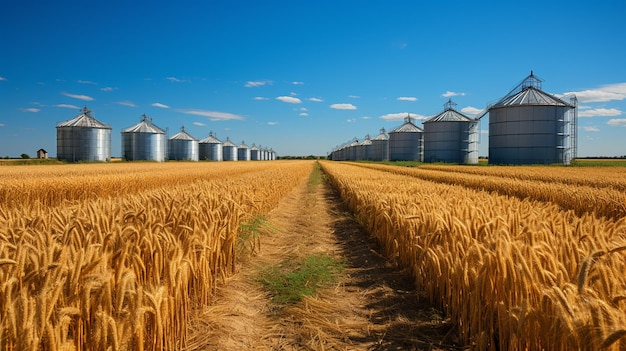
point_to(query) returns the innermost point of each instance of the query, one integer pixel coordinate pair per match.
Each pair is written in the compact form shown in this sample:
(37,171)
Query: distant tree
(25,156)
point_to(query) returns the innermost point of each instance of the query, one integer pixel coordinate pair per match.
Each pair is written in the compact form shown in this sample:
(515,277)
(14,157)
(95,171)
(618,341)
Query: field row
(121,269)
(514,274)
(608,201)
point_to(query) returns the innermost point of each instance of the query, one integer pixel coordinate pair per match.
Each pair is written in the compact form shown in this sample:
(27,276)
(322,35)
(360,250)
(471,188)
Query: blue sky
(301,76)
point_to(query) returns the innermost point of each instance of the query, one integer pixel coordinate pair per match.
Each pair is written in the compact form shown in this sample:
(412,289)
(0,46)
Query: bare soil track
(373,306)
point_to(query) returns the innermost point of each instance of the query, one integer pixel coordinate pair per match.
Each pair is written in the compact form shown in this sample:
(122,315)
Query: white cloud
(316,100)
(158,104)
(400,116)
(600,112)
(2,125)
(67,106)
(2,78)
(199,124)
(604,93)
(366,117)
(351,120)
(293,94)
(470,110)
(176,80)
(407,98)
(591,129)
(289,99)
(303,109)
(126,103)
(272,123)
(79,97)
(354,96)
(107,89)
(297,83)
(260,98)
(213,115)
(86,82)
(258,83)
(30,109)
(617,122)
(304,114)
(452,93)
(343,106)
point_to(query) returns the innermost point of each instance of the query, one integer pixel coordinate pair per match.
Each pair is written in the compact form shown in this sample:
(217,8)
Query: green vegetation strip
(290,281)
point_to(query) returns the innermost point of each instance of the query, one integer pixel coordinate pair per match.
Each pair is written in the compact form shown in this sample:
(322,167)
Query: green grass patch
(291,281)
(317,177)
(249,232)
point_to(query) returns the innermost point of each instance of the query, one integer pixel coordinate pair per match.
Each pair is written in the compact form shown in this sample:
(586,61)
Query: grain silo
(451,136)
(352,149)
(83,138)
(406,142)
(363,150)
(210,148)
(144,141)
(254,153)
(182,146)
(530,126)
(380,147)
(229,150)
(243,152)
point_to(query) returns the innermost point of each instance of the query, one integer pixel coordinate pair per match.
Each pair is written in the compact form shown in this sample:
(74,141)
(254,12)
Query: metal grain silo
(451,137)
(352,149)
(229,150)
(144,141)
(254,153)
(380,147)
(364,148)
(83,138)
(529,126)
(406,142)
(272,156)
(210,148)
(243,152)
(182,146)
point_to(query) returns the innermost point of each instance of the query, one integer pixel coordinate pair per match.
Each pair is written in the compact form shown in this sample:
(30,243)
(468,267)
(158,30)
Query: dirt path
(373,306)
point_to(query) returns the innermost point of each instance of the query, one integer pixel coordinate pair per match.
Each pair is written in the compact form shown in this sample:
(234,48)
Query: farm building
(42,154)
(450,136)
(530,126)
(406,143)
(183,146)
(144,141)
(83,138)
(363,150)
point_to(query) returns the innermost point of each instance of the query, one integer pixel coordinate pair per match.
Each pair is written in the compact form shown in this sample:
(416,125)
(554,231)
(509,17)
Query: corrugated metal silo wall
(254,155)
(179,149)
(210,151)
(525,134)
(143,146)
(453,142)
(363,152)
(406,146)
(380,150)
(83,144)
(243,154)
(229,153)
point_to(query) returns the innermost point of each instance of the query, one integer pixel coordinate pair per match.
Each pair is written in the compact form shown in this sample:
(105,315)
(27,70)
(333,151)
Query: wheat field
(517,263)
(114,256)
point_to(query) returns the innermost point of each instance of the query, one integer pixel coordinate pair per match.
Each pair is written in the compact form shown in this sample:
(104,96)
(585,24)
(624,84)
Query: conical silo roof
(407,127)
(182,135)
(382,136)
(367,140)
(449,115)
(211,139)
(254,147)
(145,126)
(84,120)
(243,145)
(529,93)
(228,143)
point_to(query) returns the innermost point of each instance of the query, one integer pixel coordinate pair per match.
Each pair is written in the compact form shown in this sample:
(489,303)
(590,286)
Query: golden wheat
(514,274)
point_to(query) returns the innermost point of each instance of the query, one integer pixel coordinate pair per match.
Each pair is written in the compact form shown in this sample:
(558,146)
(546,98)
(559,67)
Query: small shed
(41,153)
